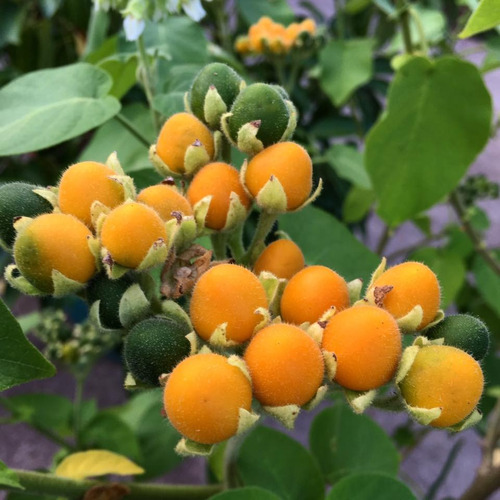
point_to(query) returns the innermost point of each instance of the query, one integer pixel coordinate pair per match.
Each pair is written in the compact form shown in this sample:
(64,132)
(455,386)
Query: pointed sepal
(195,157)
(213,107)
(19,282)
(359,401)
(64,285)
(316,400)
(247,419)
(354,287)
(468,422)
(187,448)
(285,414)
(274,288)
(114,164)
(134,306)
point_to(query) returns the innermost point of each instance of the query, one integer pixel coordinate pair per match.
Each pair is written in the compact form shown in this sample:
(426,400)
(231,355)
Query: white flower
(133,28)
(191,8)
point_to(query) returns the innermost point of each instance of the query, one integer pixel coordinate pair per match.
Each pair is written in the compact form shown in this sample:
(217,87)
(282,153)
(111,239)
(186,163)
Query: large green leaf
(122,68)
(345,66)
(273,461)
(278,10)
(50,106)
(485,17)
(348,163)
(488,282)
(20,362)
(249,493)
(437,121)
(345,443)
(169,104)
(325,241)
(113,136)
(370,487)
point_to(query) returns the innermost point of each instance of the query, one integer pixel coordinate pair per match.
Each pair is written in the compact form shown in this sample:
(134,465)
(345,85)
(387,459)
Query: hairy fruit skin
(54,242)
(217,180)
(86,182)
(413,284)
(230,294)
(178,133)
(283,258)
(444,377)
(290,164)
(165,200)
(463,331)
(311,292)
(203,396)
(286,365)
(154,347)
(366,342)
(17,199)
(129,232)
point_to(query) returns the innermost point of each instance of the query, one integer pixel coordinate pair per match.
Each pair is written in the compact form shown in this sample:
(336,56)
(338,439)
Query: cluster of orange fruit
(268,35)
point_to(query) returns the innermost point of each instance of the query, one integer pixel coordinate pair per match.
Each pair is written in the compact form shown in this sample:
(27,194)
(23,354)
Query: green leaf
(107,431)
(345,66)
(326,128)
(275,462)
(169,104)
(357,204)
(113,136)
(492,58)
(278,10)
(20,362)
(145,177)
(485,17)
(12,16)
(122,69)
(488,282)
(325,241)
(250,493)
(46,411)
(9,477)
(47,107)
(449,268)
(437,121)
(345,443)
(348,163)
(370,487)
(157,438)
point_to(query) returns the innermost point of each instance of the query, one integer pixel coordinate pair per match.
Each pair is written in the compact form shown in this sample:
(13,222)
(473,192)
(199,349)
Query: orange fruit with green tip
(129,231)
(283,258)
(286,365)
(86,182)
(165,199)
(366,342)
(413,283)
(54,242)
(444,377)
(203,397)
(178,133)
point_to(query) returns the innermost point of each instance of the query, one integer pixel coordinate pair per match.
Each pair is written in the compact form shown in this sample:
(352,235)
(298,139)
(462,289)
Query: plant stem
(49,484)
(225,150)
(479,244)
(384,240)
(420,28)
(147,81)
(410,248)
(222,25)
(265,224)
(96,31)
(235,242)
(404,21)
(123,120)
(219,245)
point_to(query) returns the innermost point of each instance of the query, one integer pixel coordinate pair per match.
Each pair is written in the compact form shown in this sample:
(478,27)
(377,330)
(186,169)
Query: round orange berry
(367,344)
(86,182)
(290,164)
(218,180)
(412,284)
(444,377)
(203,396)
(283,258)
(129,232)
(165,199)
(230,294)
(178,133)
(54,242)
(311,292)
(286,365)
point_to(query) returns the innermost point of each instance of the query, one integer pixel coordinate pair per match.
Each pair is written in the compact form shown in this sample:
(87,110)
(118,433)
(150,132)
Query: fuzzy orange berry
(311,292)
(86,182)
(230,294)
(283,258)
(218,180)
(444,377)
(367,344)
(129,231)
(290,164)
(203,396)
(413,284)
(285,364)
(165,199)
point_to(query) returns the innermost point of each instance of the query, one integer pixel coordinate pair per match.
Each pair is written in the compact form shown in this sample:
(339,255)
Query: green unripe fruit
(260,103)
(464,332)
(17,199)
(155,346)
(225,80)
(109,292)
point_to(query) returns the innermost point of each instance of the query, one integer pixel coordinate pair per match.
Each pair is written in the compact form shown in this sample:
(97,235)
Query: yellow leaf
(96,463)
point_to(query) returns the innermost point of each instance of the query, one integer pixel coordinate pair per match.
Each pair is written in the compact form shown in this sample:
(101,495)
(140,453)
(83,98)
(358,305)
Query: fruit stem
(133,129)
(218,245)
(50,484)
(235,242)
(265,224)
(404,21)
